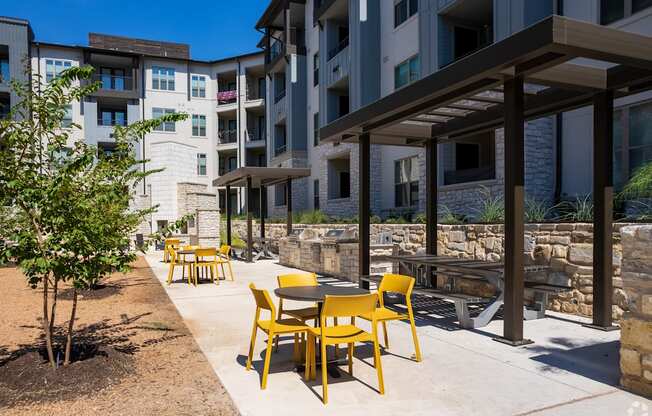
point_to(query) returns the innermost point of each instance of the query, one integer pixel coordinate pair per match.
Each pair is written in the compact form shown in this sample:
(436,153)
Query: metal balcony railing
(344,43)
(227,97)
(114,82)
(276,49)
(278,97)
(255,135)
(227,136)
(254,92)
(113,121)
(279,150)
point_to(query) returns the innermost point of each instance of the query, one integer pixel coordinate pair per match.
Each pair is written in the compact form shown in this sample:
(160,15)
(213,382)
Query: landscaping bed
(133,353)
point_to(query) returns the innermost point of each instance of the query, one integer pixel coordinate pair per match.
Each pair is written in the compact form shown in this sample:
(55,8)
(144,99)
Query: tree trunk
(46,324)
(66,360)
(55,290)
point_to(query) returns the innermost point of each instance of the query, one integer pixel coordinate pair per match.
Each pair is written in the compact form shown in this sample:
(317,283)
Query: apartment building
(325,58)
(142,79)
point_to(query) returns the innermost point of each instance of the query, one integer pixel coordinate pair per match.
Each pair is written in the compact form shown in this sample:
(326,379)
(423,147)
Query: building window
(470,160)
(614,10)
(5,105)
(632,140)
(316,194)
(406,72)
(339,177)
(406,182)
(280,194)
(201,164)
(167,125)
(66,121)
(315,133)
(162,78)
(53,67)
(403,10)
(4,63)
(198,86)
(112,117)
(315,71)
(198,125)
(114,79)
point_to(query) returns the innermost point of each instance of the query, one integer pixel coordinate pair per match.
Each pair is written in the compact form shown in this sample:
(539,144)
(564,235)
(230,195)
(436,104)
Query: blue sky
(214,29)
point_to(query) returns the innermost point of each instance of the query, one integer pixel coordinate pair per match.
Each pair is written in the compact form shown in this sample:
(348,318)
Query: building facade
(141,79)
(326,58)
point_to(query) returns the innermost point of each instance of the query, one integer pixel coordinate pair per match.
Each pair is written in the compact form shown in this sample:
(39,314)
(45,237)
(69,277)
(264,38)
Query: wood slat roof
(564,62)
(264,176)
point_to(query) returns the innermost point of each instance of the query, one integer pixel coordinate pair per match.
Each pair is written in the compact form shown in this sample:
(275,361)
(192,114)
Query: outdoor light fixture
(363,10)
(293,68)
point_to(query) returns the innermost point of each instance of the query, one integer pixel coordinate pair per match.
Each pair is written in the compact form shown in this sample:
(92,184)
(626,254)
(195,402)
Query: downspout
(238,124)
(142,110)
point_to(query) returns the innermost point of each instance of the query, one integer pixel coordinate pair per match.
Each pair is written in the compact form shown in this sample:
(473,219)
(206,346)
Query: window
(201,164)
(316,194)
(53,67)
(113,79)
(406,182)
(315,132)
(407,72)
(5,105)
(632,140)
(470,160)
(160,112)
(66,122)
(112,117)
(339,177)
(403,10)
(162,78)
(280,194)
(315,70)
(198,125)
(4,63)
(614,10)
(198,86)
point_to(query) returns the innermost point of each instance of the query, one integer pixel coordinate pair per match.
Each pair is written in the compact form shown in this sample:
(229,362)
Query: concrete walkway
(569,370)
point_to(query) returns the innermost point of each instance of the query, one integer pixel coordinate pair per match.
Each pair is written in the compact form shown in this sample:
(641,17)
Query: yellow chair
(170,243)
(225,258)
(395,283)
(272,327)
(343,306)
(206,258)
(176,261)
(302,314)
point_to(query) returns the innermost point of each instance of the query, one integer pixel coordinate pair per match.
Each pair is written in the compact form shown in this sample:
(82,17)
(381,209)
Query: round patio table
(318,294)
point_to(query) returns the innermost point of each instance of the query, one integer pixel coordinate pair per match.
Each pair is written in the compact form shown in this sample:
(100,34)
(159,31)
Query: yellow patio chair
(206,258)
(225,258)
(169,243)
(177,261)
(272,327)
(302,314)
(395,283)
(343,306)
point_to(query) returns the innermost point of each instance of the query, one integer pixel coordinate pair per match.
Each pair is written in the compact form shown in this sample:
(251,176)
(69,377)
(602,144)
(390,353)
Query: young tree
(70,216)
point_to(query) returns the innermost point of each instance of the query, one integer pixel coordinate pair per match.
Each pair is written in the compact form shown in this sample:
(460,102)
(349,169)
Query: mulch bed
(133,354)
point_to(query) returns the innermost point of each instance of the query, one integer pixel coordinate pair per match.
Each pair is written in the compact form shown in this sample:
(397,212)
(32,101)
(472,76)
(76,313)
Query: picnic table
(454,269)
(261,248)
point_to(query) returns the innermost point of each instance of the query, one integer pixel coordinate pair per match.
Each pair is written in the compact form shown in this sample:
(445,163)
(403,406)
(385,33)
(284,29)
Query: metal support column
(289,205)
(431,204)
(364,196)
(263,210)
(250,214)
(228,215)
(603,107)
(514,213)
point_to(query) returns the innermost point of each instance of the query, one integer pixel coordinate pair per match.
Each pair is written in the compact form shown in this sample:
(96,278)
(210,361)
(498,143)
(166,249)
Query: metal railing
(276,49)
(114,82)
(227,136)
(279,150)
(254,92)
(227,97)
(344,43)
(112,122)
(255,135)
(278,97)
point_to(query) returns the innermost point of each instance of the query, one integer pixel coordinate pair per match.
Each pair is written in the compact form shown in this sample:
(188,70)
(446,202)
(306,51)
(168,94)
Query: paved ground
(569,370)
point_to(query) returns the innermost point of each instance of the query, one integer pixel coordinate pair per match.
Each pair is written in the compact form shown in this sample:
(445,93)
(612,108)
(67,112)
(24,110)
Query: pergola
(258,177)
(555,65)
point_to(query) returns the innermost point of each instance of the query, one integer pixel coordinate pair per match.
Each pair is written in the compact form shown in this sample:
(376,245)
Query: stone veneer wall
(204,228)
(566,248)
(636,325)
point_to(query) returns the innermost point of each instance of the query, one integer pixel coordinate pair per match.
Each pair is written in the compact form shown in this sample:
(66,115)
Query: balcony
(280,149)
(279,96)
(227,97)
(344,43)
(227,136)
(114,82)
(114,120)
(338,67)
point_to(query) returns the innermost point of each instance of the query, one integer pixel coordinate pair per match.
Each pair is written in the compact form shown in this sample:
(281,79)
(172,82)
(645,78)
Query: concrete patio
(569,370)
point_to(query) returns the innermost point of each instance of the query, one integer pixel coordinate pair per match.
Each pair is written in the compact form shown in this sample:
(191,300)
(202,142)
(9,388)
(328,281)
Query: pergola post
(603,107)
(288,192)
(514,212)
(431,204)
(263,210)
(364,206)
(250,242)
(228,215)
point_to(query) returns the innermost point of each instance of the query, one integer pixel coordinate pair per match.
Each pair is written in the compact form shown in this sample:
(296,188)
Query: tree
(69,216)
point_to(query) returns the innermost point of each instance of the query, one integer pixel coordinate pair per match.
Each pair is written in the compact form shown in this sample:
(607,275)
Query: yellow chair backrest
(335,306)
(225,250)
(206,252)
(297,279)
(172,241)
(190,247)
(263,301)
(396,283)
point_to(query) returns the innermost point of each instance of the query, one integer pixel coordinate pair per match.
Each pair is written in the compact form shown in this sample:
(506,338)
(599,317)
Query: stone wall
(636,326)
(204,228)
(566,248)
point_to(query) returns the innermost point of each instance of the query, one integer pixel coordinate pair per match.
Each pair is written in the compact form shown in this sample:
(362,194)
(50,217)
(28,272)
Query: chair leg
(417,349)
(379,367)
(230,271)
(324,372)
(280,313)
(252,344)
(296,347)
(223,272)
(385,335)
(170,274)
(308,360)
(337,347)
(268,356)
(351,359)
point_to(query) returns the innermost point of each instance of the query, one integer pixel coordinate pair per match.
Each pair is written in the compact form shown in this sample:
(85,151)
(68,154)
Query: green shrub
(450,218)
(492,208)
(537,211)
(579,210)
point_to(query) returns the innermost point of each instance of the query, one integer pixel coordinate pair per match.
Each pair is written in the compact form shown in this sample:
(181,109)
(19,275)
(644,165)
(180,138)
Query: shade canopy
(260,176)
(563,62)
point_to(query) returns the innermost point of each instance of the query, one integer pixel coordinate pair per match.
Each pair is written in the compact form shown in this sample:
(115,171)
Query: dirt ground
(135,355)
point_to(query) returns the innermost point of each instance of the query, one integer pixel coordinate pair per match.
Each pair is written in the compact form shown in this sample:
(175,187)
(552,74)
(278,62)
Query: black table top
(317,293)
